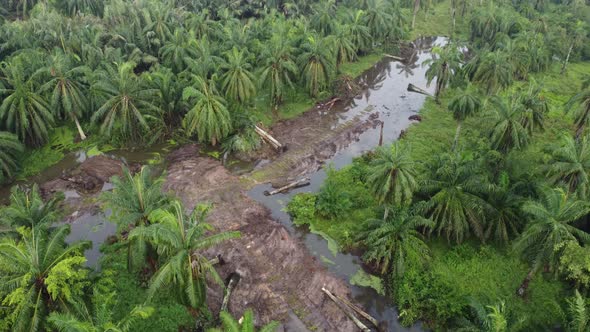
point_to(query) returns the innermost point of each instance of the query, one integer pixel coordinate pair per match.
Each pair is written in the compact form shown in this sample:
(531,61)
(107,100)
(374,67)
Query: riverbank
(455,275)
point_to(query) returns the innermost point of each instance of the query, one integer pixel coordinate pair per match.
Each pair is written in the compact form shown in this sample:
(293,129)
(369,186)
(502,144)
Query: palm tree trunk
(525,283)
(386,213)
(457,133)
(416,8)
(464,8)
(453,12)
(80,131)
(567,58)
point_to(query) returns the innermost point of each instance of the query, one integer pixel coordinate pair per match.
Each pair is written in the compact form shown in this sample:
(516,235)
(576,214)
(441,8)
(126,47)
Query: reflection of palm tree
(407,67)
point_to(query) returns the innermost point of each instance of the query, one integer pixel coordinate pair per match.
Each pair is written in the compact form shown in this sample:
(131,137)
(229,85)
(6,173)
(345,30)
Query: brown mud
(280,280)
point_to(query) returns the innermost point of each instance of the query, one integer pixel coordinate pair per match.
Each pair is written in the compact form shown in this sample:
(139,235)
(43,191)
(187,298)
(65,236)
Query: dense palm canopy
(41,274)
(579,105)
(395,242)
(278,69)
(179,240)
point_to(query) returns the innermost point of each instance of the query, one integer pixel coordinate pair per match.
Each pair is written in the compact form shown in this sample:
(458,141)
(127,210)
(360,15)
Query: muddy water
(387,82)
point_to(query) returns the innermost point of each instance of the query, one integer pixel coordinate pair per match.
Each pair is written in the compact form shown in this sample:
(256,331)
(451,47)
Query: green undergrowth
(465,273)
(169,316)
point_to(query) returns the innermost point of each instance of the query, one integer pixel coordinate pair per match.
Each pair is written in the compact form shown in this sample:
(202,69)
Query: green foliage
(246,324)
(10,147)
(574,263)
(40,274)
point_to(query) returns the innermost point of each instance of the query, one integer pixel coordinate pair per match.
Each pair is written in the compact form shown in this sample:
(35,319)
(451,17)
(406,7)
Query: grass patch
(363,63)
(437,21)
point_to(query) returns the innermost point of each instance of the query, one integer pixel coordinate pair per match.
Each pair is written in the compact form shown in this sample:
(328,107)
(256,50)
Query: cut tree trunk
(413,88)
(397,58)
(342,307)
(80,131)
(297,184)
(567,58)
(525,283)
(269,139)
(359,311)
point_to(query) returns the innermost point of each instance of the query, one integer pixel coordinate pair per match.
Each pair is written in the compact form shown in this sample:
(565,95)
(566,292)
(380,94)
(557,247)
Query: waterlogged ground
(282,267)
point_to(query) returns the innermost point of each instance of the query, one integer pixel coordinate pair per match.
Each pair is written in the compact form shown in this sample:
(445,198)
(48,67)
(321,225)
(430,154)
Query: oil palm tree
(278,69)
(392,176)
(27,208)
(246,324)
(504,220)
(209,117)
(507,126)
(126,103)
(132,200)
(99,317)
(10,148)
(177,52)
(395,242)
(345,50)
(23,110)
(238,82)
(494,72)
(67,89)
(446,61)
(180,240)
(455,189)
(578,34)
(359,33)
(534,108)
(316,63)
(41,274)
(570,165)
(580,106)
(550,224)
(466,104)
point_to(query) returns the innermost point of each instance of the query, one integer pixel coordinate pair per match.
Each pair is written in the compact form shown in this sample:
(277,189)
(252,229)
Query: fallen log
(359,311)
(299,183)
(233,281)
(331,103)
(342,307)
(397,58)
(266,136)
(413,88)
